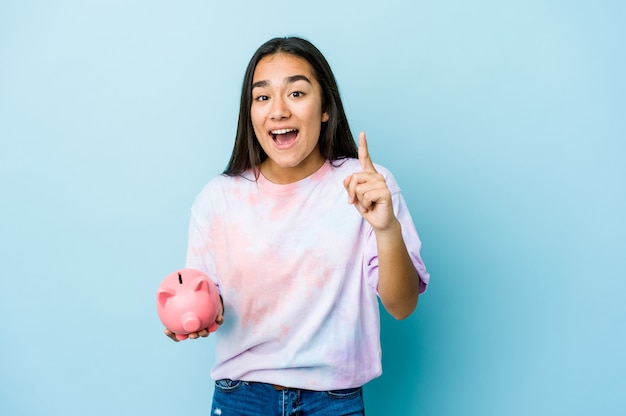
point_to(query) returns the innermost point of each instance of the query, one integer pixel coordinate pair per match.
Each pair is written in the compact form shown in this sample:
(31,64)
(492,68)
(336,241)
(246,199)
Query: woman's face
(286,115)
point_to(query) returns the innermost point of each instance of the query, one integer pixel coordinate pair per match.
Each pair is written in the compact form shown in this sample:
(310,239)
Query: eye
(297,94)
(262,98)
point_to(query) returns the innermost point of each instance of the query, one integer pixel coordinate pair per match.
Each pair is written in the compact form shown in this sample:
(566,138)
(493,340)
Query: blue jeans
(243,398)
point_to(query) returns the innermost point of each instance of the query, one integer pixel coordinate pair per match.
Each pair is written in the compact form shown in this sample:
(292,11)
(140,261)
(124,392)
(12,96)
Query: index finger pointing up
(364,157)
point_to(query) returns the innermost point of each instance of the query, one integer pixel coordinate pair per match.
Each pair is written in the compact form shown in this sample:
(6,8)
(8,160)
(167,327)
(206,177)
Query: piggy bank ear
(164,295)
(201,285)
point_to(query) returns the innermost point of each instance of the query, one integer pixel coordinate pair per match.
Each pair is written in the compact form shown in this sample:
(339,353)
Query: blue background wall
(503,122)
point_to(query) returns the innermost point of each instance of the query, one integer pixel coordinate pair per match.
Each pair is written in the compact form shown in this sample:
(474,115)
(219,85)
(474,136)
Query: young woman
(300,270)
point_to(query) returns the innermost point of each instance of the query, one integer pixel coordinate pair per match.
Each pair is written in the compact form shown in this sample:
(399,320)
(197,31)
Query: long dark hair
(335,142)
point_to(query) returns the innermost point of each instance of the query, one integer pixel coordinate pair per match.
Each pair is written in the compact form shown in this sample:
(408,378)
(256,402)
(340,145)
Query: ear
(164,295)
(201,285)
(325,116)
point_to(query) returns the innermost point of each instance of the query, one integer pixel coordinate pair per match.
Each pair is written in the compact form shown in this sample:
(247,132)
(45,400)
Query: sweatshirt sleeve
(200,250)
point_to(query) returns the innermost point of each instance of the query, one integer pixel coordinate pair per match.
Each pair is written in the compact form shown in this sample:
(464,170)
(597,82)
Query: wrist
(392,230)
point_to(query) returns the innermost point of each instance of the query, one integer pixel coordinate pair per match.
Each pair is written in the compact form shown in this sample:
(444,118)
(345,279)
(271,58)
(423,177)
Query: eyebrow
(288,80)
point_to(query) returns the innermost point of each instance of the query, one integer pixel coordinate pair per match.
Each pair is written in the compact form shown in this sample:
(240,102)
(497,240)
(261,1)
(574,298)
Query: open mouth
(284,137)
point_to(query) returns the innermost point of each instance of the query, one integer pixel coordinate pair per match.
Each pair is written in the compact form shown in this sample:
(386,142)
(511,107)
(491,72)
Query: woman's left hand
(368,192)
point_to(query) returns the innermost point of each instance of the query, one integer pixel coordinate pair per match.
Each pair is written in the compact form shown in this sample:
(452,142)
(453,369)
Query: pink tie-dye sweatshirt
(297,268)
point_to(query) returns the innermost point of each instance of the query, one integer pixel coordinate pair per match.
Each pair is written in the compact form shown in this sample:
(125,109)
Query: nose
(279,109)
(191,323)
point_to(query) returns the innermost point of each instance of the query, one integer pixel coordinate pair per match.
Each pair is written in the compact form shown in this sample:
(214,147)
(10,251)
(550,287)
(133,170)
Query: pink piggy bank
(188,301)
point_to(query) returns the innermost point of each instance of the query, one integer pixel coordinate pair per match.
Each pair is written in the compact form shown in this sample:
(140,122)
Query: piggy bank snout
(191,322)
